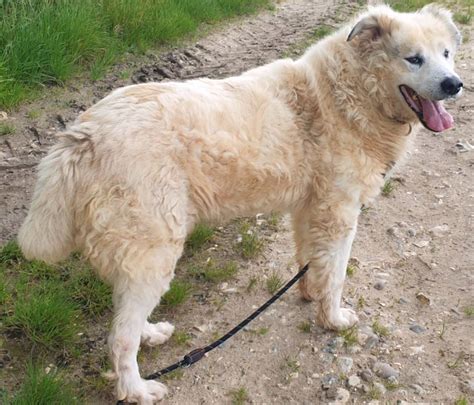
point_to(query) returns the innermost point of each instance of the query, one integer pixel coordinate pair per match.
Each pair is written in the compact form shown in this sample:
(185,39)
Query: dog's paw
(343,318)
(143,392)
(156,333)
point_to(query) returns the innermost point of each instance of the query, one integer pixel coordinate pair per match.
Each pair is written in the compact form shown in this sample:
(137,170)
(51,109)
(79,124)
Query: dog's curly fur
(128,181)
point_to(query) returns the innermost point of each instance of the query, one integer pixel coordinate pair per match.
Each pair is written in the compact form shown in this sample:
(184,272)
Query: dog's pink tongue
(435,116)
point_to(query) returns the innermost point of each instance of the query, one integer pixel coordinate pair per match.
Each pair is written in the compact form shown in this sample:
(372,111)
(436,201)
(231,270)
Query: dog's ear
(446,18)
(371,26)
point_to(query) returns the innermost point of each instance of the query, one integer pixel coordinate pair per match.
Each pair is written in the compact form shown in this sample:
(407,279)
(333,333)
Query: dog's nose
(451,85)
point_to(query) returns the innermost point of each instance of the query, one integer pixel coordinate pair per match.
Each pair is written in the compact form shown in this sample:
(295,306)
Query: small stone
(439,231)
(353,381)
(331,393)
(402,300)
(395,231)
(422,243)
(337,342)
(380,284)
(328,381)
(294,375)
(354,349)
(418,389)
(417,328)
(372,341)
(393,380)
(380,388)
(411,232)
(384,370)
(423,298)
(342,396)
(345,364)
(468,386)
(367,375)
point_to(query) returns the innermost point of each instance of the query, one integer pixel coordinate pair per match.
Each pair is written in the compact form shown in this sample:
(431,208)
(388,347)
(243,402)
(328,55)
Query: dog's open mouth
(431,113)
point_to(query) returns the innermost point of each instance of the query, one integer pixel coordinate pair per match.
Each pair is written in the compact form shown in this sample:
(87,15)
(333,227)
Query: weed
(305,327)
(322,31)
(391,385)
(380,329)
(463,18)
(252,283)
(177,294)
(387,188)
(273,283)
(350,270)
(456,362)
(40,387)
(361,303)
(33,114)
(10,253)
(262,331)
(213,273)
(292,364)
(173,375)
(239,396)
(469,311)
(6,129)
(374,393)
(46,316)
(250,245)
(181,338)
(199,237)
(442,331)
(350,336)
(461,401)
(273,220)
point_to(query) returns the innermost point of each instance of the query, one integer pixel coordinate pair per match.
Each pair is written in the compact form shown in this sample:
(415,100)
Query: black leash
(197,354)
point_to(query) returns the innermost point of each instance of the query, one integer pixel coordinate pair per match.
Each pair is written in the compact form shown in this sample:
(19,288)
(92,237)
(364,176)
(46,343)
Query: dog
(313,137)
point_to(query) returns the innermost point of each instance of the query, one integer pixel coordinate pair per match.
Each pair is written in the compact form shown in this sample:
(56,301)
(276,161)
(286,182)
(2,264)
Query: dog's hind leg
(325,242)
(136,292)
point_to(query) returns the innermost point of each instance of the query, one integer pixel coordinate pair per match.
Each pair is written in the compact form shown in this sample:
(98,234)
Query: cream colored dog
(314,137)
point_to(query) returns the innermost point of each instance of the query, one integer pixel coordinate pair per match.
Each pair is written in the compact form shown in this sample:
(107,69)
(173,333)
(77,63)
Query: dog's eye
(446,53)
(415,60)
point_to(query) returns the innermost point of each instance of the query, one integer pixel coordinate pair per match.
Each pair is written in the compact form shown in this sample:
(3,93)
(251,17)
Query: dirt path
(417,239)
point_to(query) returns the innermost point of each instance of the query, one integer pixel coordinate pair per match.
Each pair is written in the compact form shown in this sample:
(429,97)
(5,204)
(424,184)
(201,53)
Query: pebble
(328,381)
(339,395)
(336,342)
(380,284)
(345,364)
(367,375)
(468,386)
(402,300)
(354,381)
(423,298)
(384,370)
(418,389)
(417,328)
(439,231)
(380,388)
(422,243)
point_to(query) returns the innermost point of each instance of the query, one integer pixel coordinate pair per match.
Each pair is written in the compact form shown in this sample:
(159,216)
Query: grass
(361,303)
(178,293)
(350,270)
(322,31)
(213,273)
(201,234)
(461,401)
(181,338)
(350,336)
(273,283)
(45,43)
(6,128)
(10,253)
(252,283)
(387,188)
(292,364)
(469,311)
(250,245)
(239,396)
(380,329)
(305,327)
(41,388)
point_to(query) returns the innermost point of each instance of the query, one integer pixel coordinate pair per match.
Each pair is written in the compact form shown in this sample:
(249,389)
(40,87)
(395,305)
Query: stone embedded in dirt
(385,370)
(421,243)
(402,300)
(345,364)
(342,396)
(380,388)
(417,328)
(336,342)
(468,386)
(328,381)
(439,231)
(423,298)
(380,284)
(354,381)
(367,375)
(3,116)
(418,389)
(411,232)
(395,231)
(464,146)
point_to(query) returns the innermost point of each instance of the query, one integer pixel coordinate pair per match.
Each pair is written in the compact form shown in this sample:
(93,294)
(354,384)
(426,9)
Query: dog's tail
(48,231)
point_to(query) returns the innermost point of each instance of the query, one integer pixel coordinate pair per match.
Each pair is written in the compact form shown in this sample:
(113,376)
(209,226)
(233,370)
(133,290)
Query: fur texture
(132,176)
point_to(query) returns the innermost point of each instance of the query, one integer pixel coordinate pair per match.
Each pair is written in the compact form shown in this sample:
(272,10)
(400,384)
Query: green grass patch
(178,293)
(213,273)
(350,336)
(463,17)
(45,43)
(6,128)
(350,270)
(239,396)
(322,31)
(181,338)
(10,253)
(461,401)
(469,311)
(273,283)
(250,245)
(201,234)
(305,327)
(41,388)
(387,188)
(380,329)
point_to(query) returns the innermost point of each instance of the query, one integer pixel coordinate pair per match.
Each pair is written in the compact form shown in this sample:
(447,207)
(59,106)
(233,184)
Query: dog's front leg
(325,242)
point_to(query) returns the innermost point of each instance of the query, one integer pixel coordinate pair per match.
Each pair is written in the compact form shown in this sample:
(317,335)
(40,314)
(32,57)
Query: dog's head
(414,56)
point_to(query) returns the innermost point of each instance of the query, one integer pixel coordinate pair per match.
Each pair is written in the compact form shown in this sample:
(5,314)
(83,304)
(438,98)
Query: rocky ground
(412,263)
